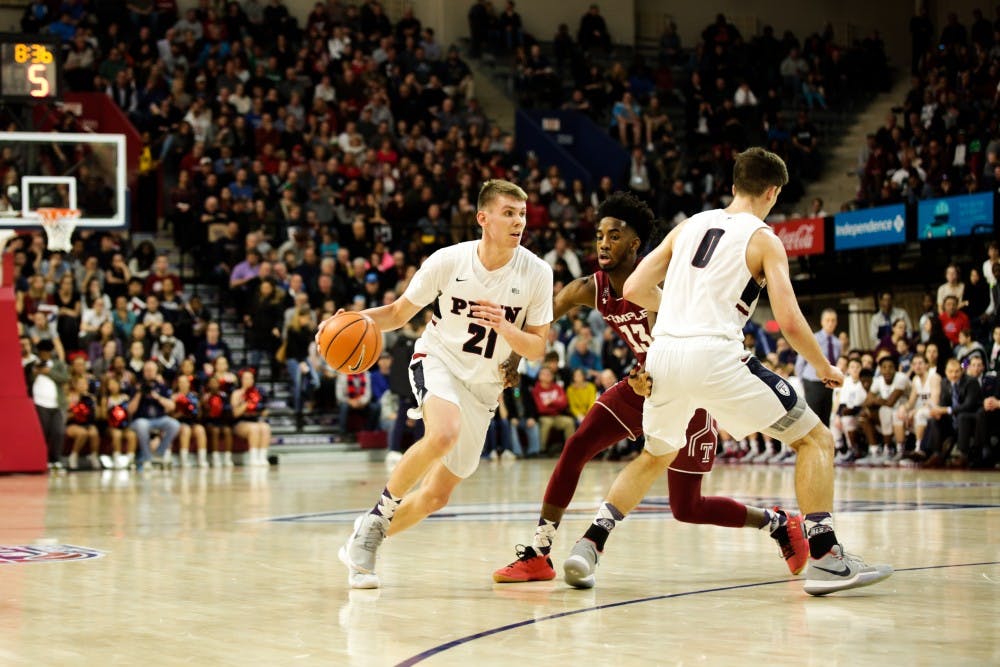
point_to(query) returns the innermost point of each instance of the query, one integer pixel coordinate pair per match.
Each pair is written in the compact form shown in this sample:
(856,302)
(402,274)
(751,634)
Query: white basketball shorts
(732,385)
(429,376)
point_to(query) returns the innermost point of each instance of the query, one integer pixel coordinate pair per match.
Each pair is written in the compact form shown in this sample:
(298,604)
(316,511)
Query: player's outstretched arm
(642,287)
(767,252)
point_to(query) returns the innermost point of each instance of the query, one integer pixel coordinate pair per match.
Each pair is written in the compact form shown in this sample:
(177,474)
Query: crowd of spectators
(311,165)
(943,139)
(730,92)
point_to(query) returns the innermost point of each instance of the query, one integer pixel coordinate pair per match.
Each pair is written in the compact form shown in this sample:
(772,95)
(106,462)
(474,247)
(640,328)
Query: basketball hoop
(59,224)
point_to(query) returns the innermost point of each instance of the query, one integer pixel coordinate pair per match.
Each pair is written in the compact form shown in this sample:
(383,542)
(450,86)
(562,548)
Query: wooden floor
(239,567)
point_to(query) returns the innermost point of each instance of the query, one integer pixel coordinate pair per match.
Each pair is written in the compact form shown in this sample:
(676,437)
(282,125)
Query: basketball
(350,343)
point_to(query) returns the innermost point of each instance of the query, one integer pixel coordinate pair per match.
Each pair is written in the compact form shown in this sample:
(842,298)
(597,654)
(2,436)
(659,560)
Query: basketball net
(59,224)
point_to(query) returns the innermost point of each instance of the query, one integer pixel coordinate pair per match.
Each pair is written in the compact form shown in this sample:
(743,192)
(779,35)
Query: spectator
(160,274)
(213,347)
(818,396)
(993,359)
(952,286)
(302,376)
(887,395)
(593,32)
(113,409)
(149,410)
(968,347)
(881,323)
(264,322)
(580,395)
(954,419)
(626,121)
(953,320)
(848,402)
(354,392)
(217,418)
(551,404)
(48,391)
(249,412)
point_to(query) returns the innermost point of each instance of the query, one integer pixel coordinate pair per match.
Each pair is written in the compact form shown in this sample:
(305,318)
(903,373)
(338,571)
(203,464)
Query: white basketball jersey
(454,279)
(923,389)
(708,289)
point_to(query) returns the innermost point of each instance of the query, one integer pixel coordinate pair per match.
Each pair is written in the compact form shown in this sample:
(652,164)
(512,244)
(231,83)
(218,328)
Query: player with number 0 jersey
(713,267)
(623,227)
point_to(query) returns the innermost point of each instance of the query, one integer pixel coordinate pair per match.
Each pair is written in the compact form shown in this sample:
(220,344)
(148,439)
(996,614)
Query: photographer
(149,409)
(48,390)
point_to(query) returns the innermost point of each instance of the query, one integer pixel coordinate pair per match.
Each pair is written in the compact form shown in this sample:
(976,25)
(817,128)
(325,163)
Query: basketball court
(227,566)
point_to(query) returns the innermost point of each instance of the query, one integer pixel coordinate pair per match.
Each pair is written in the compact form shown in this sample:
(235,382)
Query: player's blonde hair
(496,187)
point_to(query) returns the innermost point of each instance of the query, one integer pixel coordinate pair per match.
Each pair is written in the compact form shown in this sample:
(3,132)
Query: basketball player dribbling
(623,228)
(491,297)
(713,267)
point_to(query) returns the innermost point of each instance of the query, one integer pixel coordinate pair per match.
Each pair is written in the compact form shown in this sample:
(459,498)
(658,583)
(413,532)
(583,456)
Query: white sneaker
(578,569)
(839,571)
(106,462)
(494,456)
(763,457)
(360,550)
(227,459)
(216,459)
(72,462)
(202,459)
(508,455)
(778,456)
(392,459)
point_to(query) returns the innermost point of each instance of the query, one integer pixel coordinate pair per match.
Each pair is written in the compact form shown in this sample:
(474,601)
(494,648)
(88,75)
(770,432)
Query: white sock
(545,533)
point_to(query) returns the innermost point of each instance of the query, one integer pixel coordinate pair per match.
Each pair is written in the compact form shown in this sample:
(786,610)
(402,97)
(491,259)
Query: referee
(819,397)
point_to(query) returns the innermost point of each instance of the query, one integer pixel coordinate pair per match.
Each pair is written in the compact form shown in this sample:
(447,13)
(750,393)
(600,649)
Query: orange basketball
(350,343)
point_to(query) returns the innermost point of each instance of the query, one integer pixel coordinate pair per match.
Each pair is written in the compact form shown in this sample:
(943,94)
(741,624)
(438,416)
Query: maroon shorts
(697,456)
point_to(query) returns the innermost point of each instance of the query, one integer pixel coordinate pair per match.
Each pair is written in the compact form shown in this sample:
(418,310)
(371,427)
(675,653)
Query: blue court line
(441,648)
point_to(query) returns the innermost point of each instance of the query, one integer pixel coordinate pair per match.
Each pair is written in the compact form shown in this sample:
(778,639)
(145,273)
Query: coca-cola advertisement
(804,236)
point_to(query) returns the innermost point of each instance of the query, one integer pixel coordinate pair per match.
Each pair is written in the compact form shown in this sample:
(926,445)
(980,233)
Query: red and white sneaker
(529,566)
(791,539)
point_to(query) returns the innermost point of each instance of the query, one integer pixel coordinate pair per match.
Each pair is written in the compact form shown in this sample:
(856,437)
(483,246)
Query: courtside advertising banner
(802,236)
(885,225)
(955,216)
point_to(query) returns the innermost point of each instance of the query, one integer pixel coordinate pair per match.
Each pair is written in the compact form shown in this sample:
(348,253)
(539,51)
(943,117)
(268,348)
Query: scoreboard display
(30,68)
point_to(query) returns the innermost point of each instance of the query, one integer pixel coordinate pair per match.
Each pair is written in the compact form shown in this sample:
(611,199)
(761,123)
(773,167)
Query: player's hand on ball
(490,315)
(833,377)
(640,381)
(322,324)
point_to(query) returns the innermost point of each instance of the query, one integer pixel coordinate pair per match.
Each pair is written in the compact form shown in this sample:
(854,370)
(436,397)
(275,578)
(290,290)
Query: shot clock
(30,68)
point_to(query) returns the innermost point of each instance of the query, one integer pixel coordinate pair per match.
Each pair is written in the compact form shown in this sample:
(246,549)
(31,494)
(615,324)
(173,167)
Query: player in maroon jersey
(624,225)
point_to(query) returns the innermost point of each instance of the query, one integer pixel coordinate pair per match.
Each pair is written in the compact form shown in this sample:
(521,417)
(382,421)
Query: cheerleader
(216,417)
(186,412)
(227,379)
(114,411)
(249,412)
(80,425)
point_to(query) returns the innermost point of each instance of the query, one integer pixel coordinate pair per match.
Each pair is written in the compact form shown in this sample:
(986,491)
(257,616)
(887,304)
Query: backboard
(82,171)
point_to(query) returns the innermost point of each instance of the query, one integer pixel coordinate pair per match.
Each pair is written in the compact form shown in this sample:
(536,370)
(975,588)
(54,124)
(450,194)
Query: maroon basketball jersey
(626,318)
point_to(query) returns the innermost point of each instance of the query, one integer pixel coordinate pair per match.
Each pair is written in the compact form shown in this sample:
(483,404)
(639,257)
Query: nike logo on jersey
(846,572)
(460,280)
